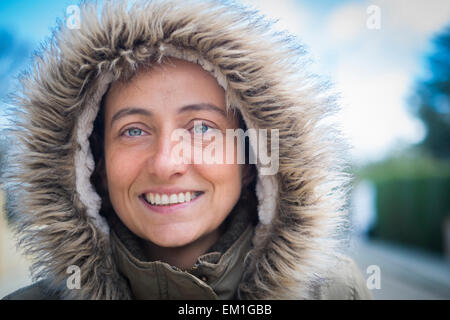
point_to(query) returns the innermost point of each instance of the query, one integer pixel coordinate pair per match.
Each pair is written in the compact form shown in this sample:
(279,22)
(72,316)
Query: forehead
(170,78)
(166,88)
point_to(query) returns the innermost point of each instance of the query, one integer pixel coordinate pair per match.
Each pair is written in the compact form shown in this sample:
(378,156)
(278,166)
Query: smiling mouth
(161,200)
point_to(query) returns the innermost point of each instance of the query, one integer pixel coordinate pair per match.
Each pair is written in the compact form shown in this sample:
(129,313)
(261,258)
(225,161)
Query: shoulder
(346,282)
(35,291)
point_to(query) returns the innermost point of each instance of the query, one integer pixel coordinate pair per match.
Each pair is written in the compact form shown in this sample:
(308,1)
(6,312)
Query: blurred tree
(433,99)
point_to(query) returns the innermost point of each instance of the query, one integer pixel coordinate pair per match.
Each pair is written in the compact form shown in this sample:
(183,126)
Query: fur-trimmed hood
(55,209)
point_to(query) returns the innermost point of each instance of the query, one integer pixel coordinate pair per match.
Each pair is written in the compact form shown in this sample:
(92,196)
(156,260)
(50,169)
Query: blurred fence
(414,211)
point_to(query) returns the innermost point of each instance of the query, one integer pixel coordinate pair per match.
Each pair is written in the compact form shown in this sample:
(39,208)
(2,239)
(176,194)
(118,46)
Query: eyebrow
(203,106)
(190,107)
(130,111)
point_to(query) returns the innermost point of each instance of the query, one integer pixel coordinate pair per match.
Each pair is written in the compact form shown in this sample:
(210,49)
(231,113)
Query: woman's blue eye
(133,132)
(202,128)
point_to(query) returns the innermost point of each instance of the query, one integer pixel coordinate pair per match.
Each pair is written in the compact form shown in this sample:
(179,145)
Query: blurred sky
(373,69)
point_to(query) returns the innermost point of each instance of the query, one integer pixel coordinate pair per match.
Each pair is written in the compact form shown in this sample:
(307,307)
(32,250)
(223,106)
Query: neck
(183,257)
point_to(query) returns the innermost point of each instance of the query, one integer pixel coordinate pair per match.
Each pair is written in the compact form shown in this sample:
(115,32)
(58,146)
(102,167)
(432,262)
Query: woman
(107,183)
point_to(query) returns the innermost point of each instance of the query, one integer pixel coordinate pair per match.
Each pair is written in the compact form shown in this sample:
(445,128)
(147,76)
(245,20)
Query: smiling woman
(96,186)
(140,166)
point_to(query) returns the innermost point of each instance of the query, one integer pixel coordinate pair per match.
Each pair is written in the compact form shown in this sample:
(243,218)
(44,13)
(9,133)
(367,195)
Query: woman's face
(140,117)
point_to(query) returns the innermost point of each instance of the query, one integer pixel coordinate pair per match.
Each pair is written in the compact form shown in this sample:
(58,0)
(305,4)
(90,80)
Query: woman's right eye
(133,132)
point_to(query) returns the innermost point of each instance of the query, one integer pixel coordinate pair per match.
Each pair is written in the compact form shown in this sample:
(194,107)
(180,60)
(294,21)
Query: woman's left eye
(202,128)
(134,132)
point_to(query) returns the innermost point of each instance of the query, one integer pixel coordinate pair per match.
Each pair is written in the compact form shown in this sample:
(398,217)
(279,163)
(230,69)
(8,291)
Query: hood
(55,209)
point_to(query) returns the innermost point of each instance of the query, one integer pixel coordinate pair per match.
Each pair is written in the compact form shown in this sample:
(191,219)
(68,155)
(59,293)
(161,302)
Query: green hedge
(412,211)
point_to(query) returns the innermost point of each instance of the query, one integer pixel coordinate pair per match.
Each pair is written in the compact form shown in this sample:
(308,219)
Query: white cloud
(291,15)
(347,22)
(404,20)
(373,69)
(373,112)
(419,17)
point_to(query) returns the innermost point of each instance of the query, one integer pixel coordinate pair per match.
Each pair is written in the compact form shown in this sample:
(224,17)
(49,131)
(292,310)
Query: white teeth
(164,199)
(173,198)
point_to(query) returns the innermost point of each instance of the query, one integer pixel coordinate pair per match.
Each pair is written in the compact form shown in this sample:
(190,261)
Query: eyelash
(203,123)
(129,129)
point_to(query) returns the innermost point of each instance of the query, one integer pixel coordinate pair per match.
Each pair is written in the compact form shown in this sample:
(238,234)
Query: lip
(170,208)
(169,190)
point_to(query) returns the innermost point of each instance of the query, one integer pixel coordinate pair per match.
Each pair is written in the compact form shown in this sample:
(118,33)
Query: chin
(172,239)
(172,243)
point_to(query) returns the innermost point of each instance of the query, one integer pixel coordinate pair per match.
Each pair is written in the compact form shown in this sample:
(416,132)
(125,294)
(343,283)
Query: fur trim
(55,207)
(84,161)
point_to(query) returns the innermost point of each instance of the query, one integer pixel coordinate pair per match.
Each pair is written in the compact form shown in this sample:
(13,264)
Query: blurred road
(405,273)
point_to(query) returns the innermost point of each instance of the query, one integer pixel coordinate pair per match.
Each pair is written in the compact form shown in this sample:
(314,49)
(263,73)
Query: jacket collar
(216,275)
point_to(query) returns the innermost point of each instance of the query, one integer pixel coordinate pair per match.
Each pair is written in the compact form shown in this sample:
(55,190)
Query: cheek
(121,168)
(225,178)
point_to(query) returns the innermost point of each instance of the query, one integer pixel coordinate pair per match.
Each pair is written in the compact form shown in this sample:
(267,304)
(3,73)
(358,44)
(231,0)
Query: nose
(165,164)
